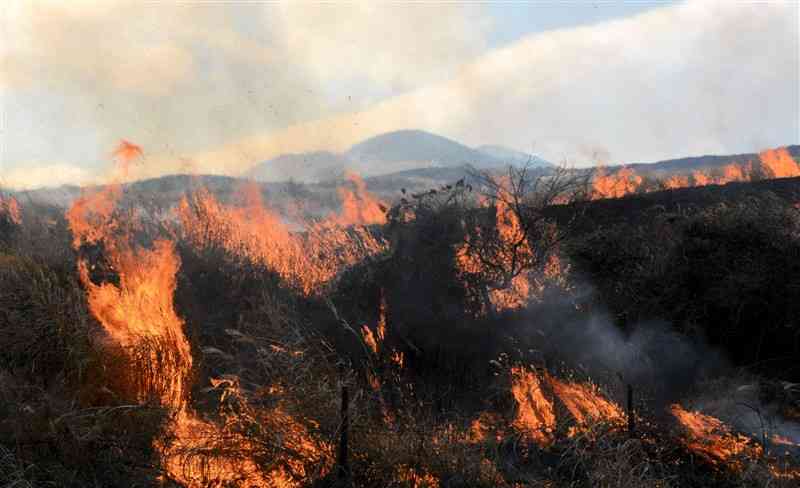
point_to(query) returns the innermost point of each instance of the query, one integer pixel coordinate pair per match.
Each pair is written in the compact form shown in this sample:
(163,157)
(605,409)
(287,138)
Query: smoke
(229,87)
(660,363)
(740,402)
(186,79)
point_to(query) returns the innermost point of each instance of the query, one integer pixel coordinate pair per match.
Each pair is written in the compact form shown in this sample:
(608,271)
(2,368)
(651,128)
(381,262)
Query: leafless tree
(525,194)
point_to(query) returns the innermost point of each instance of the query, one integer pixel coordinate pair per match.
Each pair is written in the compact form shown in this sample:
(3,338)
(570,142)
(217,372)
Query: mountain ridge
(388,153)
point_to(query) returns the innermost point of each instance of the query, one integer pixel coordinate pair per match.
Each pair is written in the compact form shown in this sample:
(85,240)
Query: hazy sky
(218,86)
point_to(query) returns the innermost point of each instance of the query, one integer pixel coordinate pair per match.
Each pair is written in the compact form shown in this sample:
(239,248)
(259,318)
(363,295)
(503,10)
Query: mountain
(417,147)
(512,156)
(308,167)
(388,153)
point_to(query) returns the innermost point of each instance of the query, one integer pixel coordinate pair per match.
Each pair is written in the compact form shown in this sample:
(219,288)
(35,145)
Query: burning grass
(771,163)
(213,352)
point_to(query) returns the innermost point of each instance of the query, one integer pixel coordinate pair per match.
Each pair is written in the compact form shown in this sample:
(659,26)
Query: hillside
(308,167)
(692,163)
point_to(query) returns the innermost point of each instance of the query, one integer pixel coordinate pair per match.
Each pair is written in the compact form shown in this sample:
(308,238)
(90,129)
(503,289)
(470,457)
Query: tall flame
(138,314)
(536,416)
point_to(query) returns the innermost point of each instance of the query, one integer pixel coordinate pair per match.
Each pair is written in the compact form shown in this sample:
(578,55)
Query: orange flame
(514,247)
(536,416)
(417,478)
(359,207)
(586,404)
(9,207)
(778,163)
(711,439)
(616,185)
(509,232)
(138,314)
(125,153)
(773,163)
(306,260)
(735,172)
(374,341)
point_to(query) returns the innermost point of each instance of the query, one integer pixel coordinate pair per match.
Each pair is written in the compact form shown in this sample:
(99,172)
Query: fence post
(343,468)
(631,415)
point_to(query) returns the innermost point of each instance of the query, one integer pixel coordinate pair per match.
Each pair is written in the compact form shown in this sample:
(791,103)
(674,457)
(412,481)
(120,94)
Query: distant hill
(416,146)
(389,153)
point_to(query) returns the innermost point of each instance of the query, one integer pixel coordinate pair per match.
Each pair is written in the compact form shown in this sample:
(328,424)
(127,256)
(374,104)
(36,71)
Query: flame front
(586,404)
(772,163)
(535,395)
(306,260)
(138,314)
(711,439)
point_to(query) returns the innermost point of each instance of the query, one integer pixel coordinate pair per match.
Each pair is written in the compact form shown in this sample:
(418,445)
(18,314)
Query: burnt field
(509,330)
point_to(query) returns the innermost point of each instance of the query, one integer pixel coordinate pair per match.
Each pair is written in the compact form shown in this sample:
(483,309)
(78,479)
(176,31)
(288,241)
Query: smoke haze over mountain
(217,89)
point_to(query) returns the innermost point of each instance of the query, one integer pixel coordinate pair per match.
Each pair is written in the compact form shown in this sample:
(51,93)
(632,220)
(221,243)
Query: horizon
(131,181)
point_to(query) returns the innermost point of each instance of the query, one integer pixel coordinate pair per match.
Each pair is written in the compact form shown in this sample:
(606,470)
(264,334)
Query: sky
(218,86)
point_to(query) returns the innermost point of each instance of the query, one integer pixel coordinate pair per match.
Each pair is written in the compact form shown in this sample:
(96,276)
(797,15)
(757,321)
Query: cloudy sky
(217,86)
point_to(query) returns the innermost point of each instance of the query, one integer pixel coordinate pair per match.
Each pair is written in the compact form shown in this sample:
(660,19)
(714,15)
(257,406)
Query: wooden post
(631,415)
(343,469)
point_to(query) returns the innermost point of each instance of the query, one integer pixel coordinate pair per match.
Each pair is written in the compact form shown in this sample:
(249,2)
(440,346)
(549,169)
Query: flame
(621,183)
(778,163)
(735,172)
(359,207)
(483,425)
(91,217)
(138,314)
(306,260)
(676,181)
(711,439)
(512,240)
(416,478)
(700,178)
(9,206)
(369,339)
(773,163)
(586,404)
(125,153)
(513,247)
(374,341)
(535,417)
